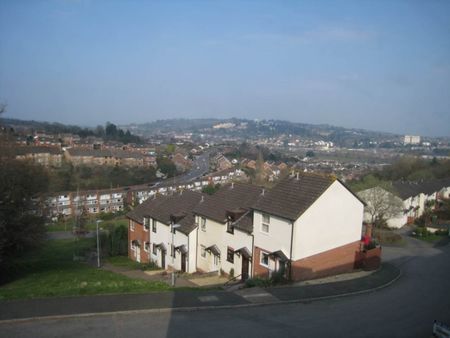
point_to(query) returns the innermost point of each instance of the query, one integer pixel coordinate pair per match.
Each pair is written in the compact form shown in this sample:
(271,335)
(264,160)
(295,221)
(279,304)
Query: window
(203,223)
(230,228)
(147,246)
(264,259)
(154,248)
(230,255)
(132,226)
(146,224)
(265,223)
(154,225)
(203,251)
(133,245)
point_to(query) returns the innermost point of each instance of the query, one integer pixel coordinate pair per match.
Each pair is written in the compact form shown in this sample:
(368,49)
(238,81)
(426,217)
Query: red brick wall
(331,262)
(138,234)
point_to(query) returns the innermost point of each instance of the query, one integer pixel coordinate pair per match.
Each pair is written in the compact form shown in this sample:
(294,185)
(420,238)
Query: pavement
(192,300)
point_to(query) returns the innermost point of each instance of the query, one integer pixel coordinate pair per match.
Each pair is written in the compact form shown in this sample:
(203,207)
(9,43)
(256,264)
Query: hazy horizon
(380,66)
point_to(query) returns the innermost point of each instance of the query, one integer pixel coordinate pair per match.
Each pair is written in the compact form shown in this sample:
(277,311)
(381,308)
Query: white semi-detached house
(225,238)
(307,226)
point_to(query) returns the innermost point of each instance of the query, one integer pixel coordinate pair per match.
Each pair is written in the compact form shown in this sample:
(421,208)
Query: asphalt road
(405,309)
(200,166)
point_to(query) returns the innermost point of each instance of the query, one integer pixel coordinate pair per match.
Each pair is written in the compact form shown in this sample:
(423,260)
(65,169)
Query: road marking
(258,295)
(205,299)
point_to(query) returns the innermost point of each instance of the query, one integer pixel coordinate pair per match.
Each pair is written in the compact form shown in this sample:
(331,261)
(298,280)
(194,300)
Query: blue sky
(380,65)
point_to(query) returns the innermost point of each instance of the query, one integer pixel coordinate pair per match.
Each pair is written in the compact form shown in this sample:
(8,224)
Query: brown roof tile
(162,208)
(293,196)
(228,198)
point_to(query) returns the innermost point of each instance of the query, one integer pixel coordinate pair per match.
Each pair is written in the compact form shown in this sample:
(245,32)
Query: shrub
(421,232)
(257,281)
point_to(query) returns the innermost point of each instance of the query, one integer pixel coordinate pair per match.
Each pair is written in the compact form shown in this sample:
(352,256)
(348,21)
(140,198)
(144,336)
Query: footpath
(194,300)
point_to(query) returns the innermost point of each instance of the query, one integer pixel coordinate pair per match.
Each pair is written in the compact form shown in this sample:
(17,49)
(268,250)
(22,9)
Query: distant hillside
(262,128)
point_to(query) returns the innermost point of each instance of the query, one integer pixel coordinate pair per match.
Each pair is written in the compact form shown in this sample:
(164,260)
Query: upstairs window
(230,228)
(154,225)
(265,223)
(203,223)
(131,225)
(146,224)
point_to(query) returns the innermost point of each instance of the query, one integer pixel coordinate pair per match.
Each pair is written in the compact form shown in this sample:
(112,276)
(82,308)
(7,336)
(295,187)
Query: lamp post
(98,245)
(174,226)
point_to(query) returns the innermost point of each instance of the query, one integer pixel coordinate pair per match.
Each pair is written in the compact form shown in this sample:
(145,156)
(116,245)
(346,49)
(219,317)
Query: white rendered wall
(216,234)
(334,219)
(278,237)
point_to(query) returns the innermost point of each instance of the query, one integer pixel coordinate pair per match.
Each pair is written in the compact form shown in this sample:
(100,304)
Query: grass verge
(52,272)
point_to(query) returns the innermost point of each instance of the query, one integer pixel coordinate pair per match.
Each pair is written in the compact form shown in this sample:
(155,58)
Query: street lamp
(98,246)
(174,226)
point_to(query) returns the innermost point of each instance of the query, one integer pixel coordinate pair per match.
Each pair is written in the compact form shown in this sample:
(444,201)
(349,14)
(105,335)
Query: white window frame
(146,224)
(133,247)
(154,230)
(261,255)
(132,226)
(147,249)
(203,223)
(265,223)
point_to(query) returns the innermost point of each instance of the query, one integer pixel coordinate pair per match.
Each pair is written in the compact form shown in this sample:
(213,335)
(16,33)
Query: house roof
(294,195)
(162,208)
(229,197)
(406,189)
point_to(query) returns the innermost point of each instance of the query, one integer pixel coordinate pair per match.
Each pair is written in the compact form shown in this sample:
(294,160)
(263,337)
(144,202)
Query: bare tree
(381,204)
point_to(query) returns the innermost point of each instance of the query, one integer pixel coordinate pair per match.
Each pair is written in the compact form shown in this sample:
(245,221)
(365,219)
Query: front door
(183,262)
(244,271)
(138,254)
(163,259)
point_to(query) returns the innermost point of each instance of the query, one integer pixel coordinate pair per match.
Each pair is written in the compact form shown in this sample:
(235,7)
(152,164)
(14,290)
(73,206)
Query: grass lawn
(124,261)
(51,271)
(432,238)
(388,237)
(91,225)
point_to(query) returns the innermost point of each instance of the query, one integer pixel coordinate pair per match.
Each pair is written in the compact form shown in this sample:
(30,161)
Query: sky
(371,64)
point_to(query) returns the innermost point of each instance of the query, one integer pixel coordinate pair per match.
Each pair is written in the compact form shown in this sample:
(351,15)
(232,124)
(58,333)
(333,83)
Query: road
(405,309)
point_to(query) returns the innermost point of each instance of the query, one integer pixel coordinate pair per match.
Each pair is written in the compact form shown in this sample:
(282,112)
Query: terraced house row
(307,226)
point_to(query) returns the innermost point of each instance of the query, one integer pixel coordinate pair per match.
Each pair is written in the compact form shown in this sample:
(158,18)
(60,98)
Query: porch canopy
(279,254)
(214,250)
(161,246)
(136,242)
(244,251)
(182,249)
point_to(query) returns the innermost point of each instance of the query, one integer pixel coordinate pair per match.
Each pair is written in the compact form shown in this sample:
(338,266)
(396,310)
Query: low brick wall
(331,262)
(369,259)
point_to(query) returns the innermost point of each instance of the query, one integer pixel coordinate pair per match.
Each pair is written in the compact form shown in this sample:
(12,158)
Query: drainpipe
(290,254)
(196,249)
(253,256)
(189,254)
